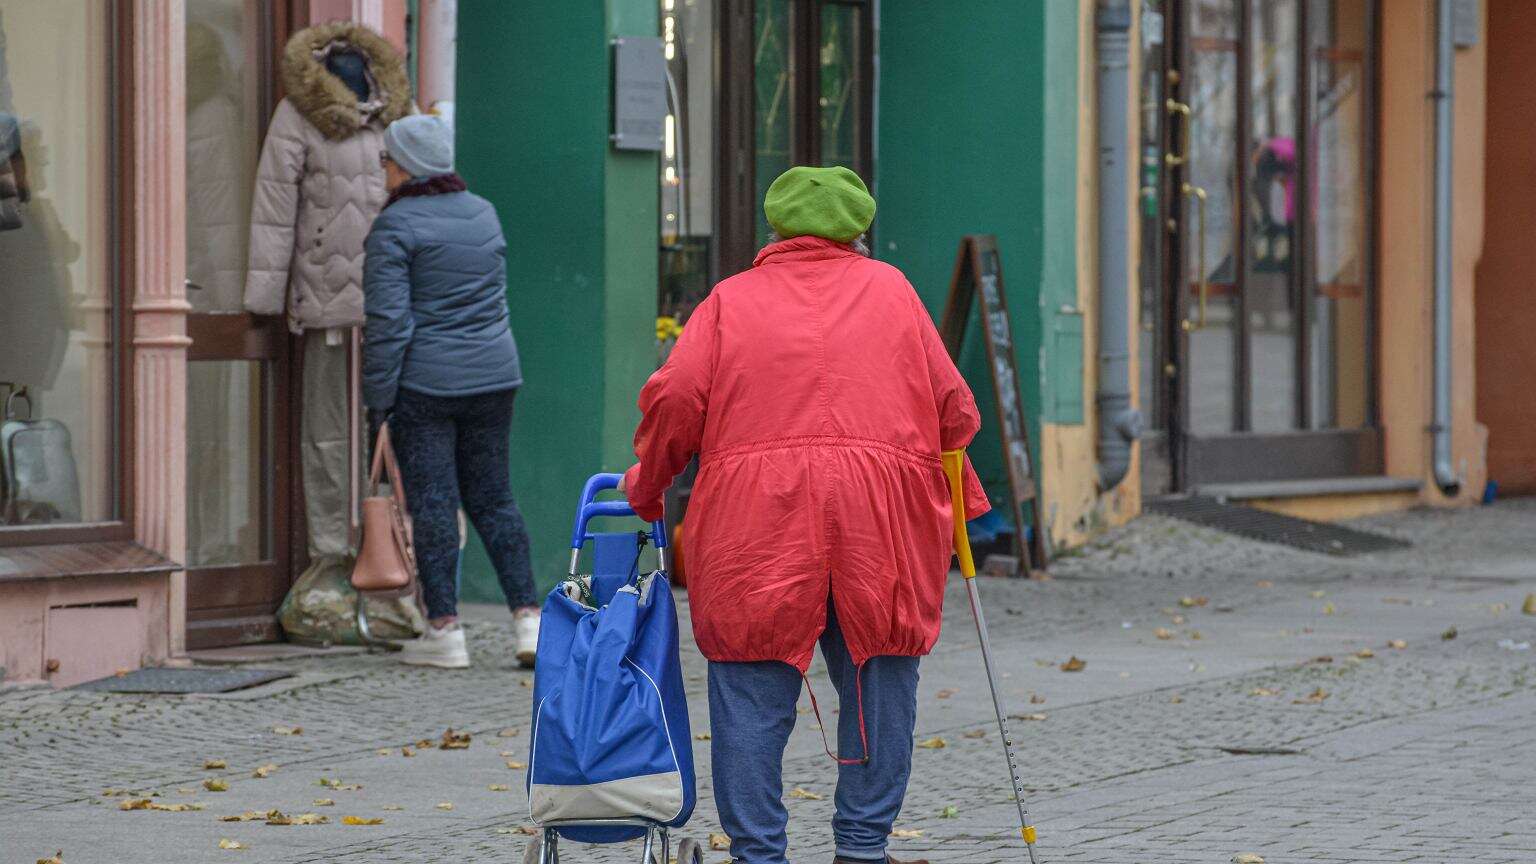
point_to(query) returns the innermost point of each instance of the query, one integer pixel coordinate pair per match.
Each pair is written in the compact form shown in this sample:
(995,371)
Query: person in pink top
(818,397)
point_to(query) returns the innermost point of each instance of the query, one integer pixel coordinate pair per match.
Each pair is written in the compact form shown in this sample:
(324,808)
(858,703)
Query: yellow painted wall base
(1335,508)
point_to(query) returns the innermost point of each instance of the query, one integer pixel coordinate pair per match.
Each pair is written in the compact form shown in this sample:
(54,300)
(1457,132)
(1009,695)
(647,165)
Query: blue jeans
(455,450)
(752,712)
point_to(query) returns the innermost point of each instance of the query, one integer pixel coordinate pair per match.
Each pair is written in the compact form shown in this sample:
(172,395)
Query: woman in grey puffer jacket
(439,359)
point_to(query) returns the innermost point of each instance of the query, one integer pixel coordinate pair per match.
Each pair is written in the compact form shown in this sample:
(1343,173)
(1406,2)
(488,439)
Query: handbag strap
(384,460)
(17,393)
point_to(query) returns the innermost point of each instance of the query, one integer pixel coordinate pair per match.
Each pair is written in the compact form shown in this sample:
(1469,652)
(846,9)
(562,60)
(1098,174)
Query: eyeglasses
(384,159)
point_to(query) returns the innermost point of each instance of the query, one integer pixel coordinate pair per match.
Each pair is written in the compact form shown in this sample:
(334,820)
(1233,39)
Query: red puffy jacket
(818,396)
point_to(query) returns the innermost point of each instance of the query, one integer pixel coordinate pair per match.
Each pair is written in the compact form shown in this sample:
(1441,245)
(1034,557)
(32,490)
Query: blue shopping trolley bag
(610,720)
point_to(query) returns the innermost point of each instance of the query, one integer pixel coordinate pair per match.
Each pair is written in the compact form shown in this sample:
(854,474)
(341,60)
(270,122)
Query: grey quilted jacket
(437,297)
(319,183)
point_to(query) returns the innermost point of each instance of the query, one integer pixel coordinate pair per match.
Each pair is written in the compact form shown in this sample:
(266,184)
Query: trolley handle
(591,508)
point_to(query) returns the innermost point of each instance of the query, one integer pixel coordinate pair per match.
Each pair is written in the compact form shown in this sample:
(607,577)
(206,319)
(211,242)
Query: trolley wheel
(689,851)
(535,849)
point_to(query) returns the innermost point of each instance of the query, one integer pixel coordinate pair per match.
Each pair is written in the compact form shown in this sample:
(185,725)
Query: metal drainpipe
(1445,471)
(1119,422)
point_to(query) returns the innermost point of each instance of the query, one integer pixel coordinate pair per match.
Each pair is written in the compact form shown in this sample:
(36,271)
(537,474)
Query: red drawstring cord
(858,685)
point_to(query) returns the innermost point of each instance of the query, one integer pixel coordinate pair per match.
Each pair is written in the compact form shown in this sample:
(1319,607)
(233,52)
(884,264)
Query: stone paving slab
(1157,751)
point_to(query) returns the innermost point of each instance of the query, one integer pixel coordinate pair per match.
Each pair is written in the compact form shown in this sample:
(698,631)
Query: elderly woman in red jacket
(818,397)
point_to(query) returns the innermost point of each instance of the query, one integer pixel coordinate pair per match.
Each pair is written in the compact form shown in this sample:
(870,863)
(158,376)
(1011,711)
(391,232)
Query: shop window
(60,451)
(755,87)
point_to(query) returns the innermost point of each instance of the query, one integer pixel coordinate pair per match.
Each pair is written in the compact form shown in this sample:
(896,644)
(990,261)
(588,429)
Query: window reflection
(56,278)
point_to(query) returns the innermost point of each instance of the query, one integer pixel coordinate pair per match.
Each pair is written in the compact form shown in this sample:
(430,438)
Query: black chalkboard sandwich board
(978,270)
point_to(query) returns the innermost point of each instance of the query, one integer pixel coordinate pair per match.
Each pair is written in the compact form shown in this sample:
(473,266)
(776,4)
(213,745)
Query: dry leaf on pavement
(949,812)
(384,751)
(325,802)
(214,765)
(1263,691)
(719,842)
(1264,583)
(277,818)
(1365,653)
(1176,699)
(515,765)
(1074,664)
(288,730)
(797,792)
(500,787)
(425,744)
(1399,644)
(1529,606)
(58,858)
(407,752)
(1318,595)
(1031,717)
(1189,602)
(933,744)
(946,693)
(329,783)
(702,736)
(455,740)
(1163,633)
(1328,609)
(1036,699)
(391,807)
(1195,635)
(446,805)
(264,771)
(248,816)
(214,784)
(976,733)
(510,732)
(907,833)
(1449,634)
(1246,858)
(361,820)
(1312,698)
(227,843)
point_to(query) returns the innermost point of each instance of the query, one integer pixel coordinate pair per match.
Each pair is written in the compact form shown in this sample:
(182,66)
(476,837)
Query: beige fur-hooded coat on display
(319,183)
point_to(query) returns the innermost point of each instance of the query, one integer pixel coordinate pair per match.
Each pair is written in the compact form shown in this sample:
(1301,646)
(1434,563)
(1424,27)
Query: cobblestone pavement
(1254,726)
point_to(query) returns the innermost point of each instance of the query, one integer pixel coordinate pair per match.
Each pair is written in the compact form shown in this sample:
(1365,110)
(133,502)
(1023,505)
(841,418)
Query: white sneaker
(525,628)
(443,648)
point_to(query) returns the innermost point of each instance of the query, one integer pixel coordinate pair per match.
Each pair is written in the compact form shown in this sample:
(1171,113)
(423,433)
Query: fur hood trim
(323,99)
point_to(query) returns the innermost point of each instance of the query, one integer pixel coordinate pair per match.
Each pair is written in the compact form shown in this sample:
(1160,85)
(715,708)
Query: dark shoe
(888,860)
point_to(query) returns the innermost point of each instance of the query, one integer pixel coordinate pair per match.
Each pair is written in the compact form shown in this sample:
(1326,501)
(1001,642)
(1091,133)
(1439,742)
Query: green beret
(821,202)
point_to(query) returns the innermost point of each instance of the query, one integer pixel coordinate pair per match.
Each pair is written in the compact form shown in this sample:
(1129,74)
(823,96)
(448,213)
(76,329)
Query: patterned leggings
(453,449)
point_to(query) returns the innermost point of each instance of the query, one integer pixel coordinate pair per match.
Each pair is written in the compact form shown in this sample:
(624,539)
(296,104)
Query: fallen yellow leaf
(324,802)
(907,833)
(1074,664)
(1318,595)
(384,751)
(214,765)
(1246,858)
(524,682)
(425,744)
(455,740)
(1529,606)
(500,787)
(1163,633)
(946,693)
(278,818)
(1328,609)
(1176,699)
(1263,691)
(1365,653)
(1264,583)
(1036,699)
(391,807)
(507,754)
(1195,635)
(1312,698)
(337,784)
(702,736)
(264,771)
(176,808)
(1448,635)
(515,765)
(446,805)
(248,816)
(407,752)
(933,744)
(58,858)
(1399,644)
(1030,717)
(719,842)
(214,784)
(1188,602)
(288,730)
(227,843)
(510,732)
(360,820)
(976,733)
(797,792)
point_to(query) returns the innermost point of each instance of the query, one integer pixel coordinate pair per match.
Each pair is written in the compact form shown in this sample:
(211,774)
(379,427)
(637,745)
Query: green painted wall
(580,218)
(977,134)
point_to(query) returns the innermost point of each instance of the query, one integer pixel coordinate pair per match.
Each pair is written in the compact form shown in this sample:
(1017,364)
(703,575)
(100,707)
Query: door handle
(1176,108)
(1205,281)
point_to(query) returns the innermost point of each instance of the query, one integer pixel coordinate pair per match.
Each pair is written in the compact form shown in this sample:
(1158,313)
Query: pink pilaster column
(160,305)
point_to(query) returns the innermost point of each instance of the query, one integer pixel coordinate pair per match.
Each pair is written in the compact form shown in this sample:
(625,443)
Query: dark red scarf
(441,184)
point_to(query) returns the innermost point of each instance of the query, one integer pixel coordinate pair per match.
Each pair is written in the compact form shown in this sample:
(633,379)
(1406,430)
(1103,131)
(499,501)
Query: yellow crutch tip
(1029,834)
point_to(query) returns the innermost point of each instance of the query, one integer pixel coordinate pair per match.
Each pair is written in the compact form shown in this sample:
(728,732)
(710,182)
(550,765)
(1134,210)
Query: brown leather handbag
(387,559)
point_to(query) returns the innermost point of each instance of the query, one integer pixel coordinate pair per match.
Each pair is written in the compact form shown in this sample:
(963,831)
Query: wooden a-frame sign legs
(977,267)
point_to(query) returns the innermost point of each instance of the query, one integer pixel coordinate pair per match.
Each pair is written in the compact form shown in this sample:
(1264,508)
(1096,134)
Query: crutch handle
(954,469)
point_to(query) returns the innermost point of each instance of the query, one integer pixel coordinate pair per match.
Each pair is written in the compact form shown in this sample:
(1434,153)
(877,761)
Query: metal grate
(1270,527)
(220,680)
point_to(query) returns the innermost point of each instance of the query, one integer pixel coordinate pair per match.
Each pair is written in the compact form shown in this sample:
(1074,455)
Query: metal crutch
(954,468)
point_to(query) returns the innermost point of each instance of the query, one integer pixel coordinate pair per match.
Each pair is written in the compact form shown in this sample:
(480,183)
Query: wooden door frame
(736,108)
(1303,452)
(242,336)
